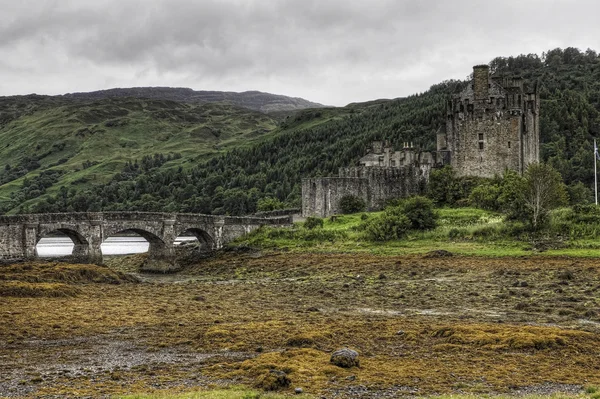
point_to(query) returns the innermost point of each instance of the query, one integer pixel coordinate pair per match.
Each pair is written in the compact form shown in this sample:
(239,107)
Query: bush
(455,233)
(419,210)
(351,204)
(390,225)
(313,222)
(413,213)
(485,196)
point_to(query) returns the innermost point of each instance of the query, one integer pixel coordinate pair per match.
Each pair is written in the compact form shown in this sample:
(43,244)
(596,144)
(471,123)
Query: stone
(298,391)
(438,253)
(345,358)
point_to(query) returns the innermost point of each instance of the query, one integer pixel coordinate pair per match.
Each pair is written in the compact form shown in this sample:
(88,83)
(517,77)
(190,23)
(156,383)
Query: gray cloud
(331,51)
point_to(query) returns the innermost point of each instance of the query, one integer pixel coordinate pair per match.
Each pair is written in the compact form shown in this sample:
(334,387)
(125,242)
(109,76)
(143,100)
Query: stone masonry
(20,234)
(491,126)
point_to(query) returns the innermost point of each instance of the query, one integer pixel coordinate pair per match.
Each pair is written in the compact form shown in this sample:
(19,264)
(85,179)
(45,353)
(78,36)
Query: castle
(491,126)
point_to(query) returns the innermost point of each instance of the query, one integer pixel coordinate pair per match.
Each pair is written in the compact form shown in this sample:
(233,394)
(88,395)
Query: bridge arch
(81,245)
(157,246)
(205,240)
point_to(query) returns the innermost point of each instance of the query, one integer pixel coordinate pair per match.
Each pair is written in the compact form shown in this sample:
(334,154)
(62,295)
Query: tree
(542,190)
(267,204)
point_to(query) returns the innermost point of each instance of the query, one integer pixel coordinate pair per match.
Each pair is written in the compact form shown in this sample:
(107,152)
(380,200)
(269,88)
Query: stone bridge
(20,234)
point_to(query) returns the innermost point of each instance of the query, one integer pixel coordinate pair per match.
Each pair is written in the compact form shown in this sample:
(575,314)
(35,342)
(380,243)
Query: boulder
(345,358)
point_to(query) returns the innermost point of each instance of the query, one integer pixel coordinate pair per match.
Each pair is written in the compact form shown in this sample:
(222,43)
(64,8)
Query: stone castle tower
(492,125)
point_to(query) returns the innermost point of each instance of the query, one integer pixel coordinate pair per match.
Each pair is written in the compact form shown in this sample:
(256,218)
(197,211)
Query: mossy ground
(422,326)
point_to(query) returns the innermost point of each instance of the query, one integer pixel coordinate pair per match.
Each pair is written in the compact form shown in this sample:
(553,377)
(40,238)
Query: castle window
(480,136)
(509,144)
(481,145)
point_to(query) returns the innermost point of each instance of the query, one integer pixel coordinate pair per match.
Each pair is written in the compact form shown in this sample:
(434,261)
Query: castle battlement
(491,126)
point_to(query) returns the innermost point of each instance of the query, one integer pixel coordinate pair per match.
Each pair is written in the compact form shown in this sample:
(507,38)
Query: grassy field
(465,231)
(423,325)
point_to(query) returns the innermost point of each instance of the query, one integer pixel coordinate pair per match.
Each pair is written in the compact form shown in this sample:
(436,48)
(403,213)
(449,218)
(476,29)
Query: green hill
(308,143)
(86,144)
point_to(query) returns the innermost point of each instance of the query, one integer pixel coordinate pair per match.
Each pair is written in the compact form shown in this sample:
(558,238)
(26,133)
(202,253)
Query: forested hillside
(317,142)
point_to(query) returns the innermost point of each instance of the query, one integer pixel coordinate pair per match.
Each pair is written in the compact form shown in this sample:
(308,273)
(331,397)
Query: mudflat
(422,325)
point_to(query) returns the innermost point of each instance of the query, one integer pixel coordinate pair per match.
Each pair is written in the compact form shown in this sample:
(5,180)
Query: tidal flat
(423,325)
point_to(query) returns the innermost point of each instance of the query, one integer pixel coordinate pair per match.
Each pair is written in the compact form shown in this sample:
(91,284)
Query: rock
(298,391)
(439,253)
(273,380)
(345,358)
(400,332)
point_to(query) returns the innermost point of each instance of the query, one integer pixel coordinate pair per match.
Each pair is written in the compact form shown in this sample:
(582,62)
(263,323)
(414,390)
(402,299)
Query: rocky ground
(422,325)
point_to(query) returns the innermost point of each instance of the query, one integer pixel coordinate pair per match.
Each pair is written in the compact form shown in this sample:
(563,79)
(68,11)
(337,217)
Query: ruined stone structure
(384,174)
(492,125)
(20,234)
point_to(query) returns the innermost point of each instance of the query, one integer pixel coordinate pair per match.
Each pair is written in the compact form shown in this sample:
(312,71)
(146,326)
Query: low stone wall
(375,185)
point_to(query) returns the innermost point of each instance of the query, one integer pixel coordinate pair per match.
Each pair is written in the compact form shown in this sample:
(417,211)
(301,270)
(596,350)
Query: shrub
(351,204)
(456,233)
(419,210)
(313,222)
(387,226)
(485,196)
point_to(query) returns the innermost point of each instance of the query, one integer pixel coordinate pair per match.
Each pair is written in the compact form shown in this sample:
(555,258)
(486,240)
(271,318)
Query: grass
(464,231)
(21,289)
(247,394)
(432,325)
(233,393)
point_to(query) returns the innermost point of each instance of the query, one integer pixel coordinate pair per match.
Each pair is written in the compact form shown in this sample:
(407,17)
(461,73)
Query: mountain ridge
(252,99)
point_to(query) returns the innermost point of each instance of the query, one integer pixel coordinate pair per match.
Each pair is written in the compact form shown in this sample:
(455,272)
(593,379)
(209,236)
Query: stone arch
(206,240)
(157,246)
(81,245)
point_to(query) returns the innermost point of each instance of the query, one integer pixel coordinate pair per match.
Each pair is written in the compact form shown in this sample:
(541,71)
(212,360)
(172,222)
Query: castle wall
(375,185)
(321,196)
(486,147)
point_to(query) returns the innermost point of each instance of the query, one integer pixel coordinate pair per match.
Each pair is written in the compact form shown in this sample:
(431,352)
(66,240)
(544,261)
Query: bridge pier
(95,241)
(161,253)
(218,233)
(30,232)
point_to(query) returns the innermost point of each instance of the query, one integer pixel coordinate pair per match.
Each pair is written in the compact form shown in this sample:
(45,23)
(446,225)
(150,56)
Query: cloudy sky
(329,51)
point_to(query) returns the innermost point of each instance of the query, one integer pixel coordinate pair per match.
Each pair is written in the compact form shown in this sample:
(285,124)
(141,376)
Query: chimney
(480,81)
